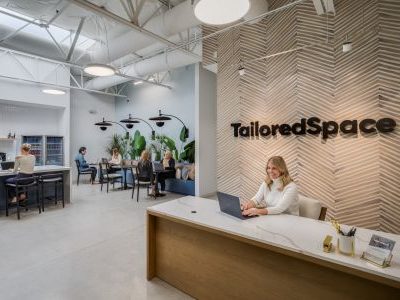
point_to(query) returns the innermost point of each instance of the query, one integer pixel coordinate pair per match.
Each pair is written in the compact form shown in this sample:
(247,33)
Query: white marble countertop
(39,169)
(297,234)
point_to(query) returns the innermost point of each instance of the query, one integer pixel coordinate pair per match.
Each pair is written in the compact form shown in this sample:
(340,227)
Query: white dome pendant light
(220,12)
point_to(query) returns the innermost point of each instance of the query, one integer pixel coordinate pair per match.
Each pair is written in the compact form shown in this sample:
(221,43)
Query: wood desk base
(208,264)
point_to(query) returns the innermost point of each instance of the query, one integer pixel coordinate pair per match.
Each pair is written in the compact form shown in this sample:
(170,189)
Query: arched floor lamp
(133,120)
(161,118)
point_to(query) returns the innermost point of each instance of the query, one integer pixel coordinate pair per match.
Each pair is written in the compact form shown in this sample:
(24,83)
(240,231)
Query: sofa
(183,183)
(180,186)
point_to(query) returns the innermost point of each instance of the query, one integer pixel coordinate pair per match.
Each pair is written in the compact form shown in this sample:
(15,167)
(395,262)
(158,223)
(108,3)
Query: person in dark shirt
(169,167)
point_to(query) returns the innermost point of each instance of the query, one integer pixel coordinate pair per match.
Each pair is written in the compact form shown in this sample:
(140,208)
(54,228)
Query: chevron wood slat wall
(356,177)
(389,105)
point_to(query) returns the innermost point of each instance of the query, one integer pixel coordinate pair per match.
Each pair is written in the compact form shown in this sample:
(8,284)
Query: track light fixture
(347,45)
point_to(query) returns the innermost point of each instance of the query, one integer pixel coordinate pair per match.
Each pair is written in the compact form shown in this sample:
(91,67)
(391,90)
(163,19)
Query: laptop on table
(6,165)
(158,166)
(230,205)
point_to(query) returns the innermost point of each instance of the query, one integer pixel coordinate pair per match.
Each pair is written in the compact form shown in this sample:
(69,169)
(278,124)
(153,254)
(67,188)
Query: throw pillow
(178,173)
(192,172)
(185,173)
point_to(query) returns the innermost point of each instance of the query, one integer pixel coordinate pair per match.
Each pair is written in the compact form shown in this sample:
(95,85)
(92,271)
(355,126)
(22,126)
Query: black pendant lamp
(161,118)
(133,120)
(105,124)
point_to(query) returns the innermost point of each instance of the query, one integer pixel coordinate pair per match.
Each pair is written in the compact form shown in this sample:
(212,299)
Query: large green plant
(188,153)
(163,143)
(137,145)
(119,142)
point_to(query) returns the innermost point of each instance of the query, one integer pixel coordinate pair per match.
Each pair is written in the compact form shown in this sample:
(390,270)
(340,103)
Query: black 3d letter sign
(314,126)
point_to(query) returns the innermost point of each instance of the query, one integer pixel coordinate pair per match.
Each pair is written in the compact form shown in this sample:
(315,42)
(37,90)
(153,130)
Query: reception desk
(39,170)
(210,255)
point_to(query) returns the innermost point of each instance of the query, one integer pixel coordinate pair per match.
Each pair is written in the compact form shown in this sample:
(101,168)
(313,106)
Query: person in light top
(24,165)
(277,194)
(116,157)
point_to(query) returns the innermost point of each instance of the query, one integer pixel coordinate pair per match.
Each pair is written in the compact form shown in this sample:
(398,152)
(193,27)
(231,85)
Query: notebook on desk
(230,205)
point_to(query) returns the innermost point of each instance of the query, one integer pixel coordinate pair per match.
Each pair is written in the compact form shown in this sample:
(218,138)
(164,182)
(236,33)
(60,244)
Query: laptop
(230,205)
(5,165)
(157,166)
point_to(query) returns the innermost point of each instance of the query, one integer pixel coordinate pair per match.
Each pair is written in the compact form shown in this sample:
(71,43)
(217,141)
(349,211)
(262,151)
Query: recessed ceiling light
(53,91)
(137,82)
(220,12)
(99,70)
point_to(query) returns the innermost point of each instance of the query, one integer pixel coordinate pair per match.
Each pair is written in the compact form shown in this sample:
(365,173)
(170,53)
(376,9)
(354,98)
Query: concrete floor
(94,248)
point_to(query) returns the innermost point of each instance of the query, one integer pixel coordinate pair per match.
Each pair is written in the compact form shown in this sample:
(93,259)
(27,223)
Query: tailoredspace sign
(314,126)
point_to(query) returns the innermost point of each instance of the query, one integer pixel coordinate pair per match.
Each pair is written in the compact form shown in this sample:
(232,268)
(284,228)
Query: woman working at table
(24,165)
(169,167)
(277,194)
(116,157)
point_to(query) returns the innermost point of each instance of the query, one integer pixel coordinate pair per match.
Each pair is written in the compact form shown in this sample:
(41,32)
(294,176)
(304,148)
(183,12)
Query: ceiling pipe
(157,29)
(145,67)
(161,28)
(165,24)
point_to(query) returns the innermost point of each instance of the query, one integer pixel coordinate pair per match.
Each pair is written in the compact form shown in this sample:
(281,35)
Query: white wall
(23,120)
(206,131)
(145,100)
(25,109)
(86,110)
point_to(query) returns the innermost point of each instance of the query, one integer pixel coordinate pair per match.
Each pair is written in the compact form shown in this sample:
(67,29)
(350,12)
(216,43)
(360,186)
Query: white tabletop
(297,234)
(39,169)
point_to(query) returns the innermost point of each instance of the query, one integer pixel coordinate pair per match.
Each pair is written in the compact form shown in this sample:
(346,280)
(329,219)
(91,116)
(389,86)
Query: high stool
(22,185)
(52,180)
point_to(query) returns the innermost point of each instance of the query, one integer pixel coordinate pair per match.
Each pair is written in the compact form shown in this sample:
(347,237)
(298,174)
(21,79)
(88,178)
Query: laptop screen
(5,165)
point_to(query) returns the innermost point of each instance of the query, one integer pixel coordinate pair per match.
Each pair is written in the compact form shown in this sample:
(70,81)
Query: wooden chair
(107,177)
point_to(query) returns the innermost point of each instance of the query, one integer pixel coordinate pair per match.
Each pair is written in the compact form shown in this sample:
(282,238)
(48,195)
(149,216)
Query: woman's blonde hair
(168,154)
(115,151)
(145,155)
(280,164)
(26,147)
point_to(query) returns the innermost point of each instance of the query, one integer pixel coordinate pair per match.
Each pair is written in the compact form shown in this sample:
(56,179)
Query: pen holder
(345,244)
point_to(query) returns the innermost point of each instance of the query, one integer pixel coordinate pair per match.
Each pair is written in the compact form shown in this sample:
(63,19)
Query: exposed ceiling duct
(164,25)
(162,62)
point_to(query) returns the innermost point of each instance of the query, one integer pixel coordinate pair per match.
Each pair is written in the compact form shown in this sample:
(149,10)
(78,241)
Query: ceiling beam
(77,33)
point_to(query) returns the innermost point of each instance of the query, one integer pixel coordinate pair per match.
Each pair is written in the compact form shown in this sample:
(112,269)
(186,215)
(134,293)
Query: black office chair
(22,186)
(141,178)
(85,172)
(54,180)
(105,176)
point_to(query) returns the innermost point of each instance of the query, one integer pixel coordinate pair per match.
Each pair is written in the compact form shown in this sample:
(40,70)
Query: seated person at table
(24,163)
(145,167)
(116,157)
(116,160)
(277,194)
(83,165)
(169,167)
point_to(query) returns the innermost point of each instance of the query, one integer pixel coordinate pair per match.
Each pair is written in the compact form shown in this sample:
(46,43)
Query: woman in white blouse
(277,194)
